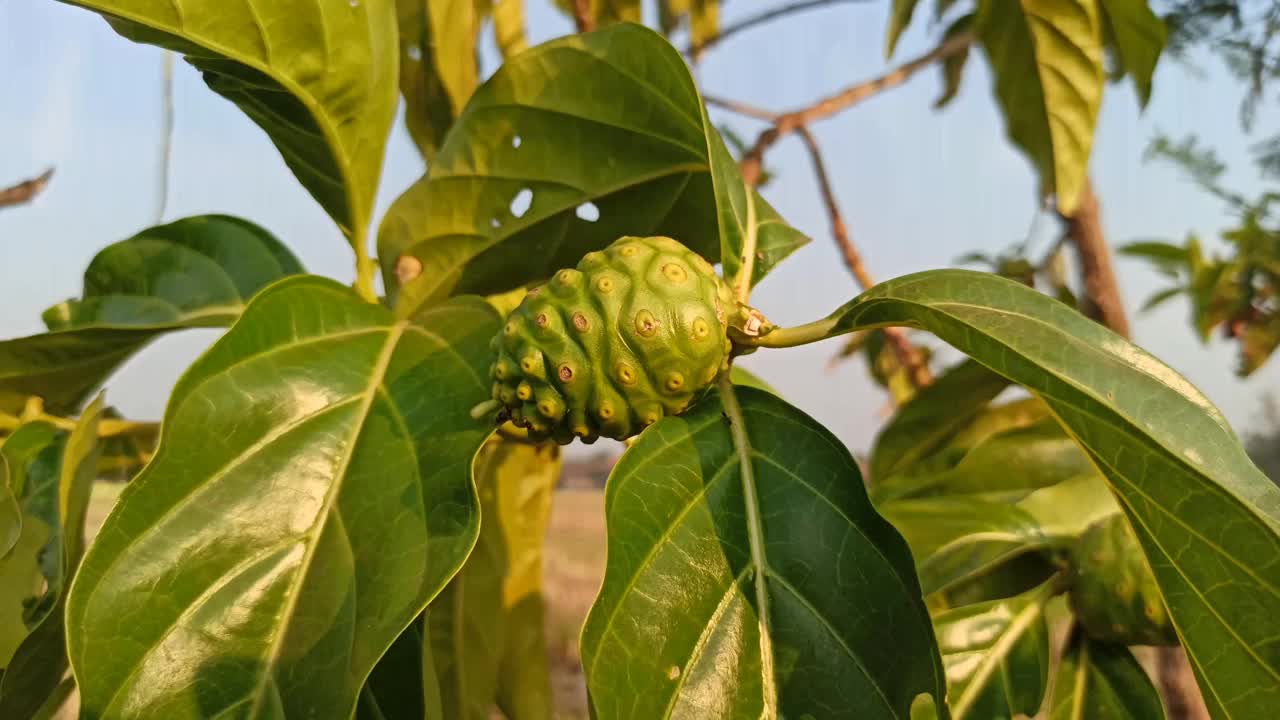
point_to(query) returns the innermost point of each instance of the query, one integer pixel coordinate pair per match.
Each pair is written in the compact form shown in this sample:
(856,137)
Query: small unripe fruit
(634,333)
(1113,592)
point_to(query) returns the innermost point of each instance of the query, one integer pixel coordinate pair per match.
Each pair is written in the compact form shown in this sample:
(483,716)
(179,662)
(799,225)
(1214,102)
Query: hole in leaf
(495,224)
(588,211)
(515,141)
(415,53)
(521,202)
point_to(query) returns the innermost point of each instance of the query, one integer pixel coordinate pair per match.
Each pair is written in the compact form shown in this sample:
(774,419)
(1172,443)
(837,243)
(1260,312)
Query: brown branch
(582,16)
(25,191)
(908,355)
(1102,288)
(788,122)
(741,108)
(695,49)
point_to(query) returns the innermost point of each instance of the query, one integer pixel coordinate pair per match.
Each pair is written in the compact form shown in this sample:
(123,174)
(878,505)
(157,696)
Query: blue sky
(918,187)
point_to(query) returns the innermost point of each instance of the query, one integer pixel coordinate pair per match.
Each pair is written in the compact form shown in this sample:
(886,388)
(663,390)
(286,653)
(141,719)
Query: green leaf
(195,272)
(310,495)
(607,126)
(774,593)
(1206,516)
(428,112)
(1139,37)
(454,48)
(10,512)
(932,416)
(319,76)
(1067,509)
(1046,58)
(40,662)
(997,655)
(953,65)
(1096,680)
(899,20)
(956,539)
(1010,464)
(1169,259)
(396,688)
(1161,297)
(482,651)
(508,27)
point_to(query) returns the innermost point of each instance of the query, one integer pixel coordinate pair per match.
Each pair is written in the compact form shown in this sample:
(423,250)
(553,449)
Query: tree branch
(908,355)
(695,49)
(582,16)
(25,191)
(788,122)
(1102,288)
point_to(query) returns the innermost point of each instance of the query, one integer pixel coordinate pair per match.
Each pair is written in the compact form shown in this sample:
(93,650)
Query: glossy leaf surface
(310,494)
(195,272)
(319,76)
(1206,516)
(428,111)
(10,512)
(39,663)
(567,147)
(1046,59)
(997,656)
(718,602)
(1096,680)
(487,638)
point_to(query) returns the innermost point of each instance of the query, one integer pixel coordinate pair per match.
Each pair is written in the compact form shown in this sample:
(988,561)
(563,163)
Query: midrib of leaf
(376,377)
(1000,649)
(1081,685)
(331,136)
(755,536)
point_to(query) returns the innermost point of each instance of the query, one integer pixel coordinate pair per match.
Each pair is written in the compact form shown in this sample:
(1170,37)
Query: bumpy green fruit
(1113,591)
(633,334)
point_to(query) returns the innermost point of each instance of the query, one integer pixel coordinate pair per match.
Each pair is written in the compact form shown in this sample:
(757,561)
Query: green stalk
(742,281)
(755,536)
(365,267)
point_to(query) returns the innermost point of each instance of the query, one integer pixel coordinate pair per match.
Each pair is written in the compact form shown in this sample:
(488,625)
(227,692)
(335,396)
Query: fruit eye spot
(700,329)
(674,273)
(565,373)
(606,411)
(500,370)
(675,381)
(646,323)
(541,320)
(524,392)
(528,364)
(604,285)
(626,375)
(567,277)
(628,250)
(580,322)
(511,328)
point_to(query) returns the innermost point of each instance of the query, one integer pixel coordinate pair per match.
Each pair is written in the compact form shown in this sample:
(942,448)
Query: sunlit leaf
(955,539)
(899,20)
(310,494)
(428,110)
(569,146)
(487,639)
(319,76)
(1207,518)
(1046,59)
(195,272)
(508,27)
(40,662)
(781,593)
(997,655)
